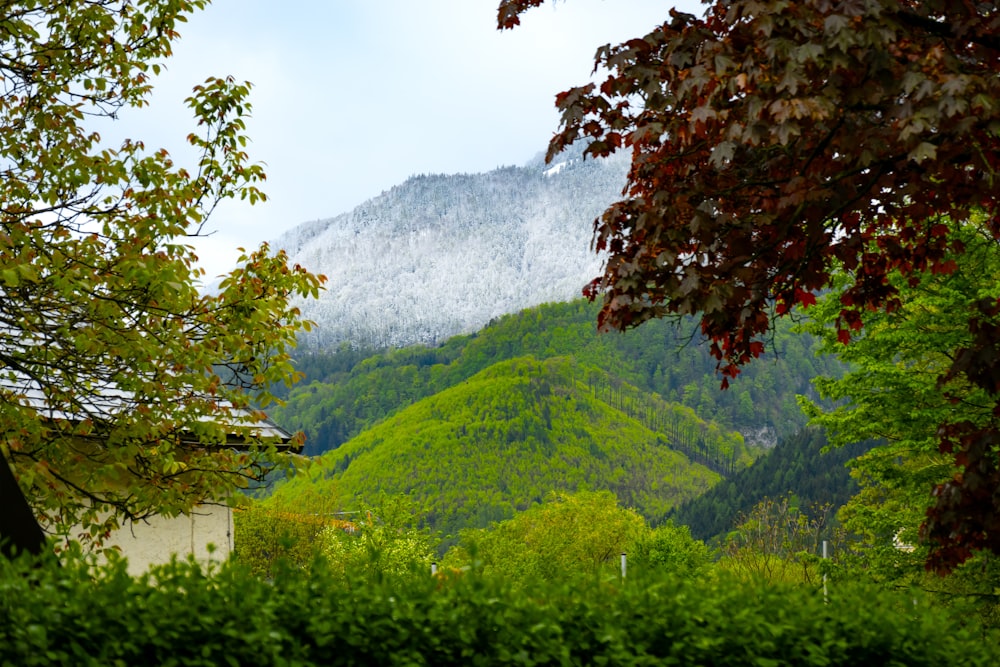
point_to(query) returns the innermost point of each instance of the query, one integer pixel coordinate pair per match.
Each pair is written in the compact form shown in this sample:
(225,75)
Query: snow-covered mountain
(442,255)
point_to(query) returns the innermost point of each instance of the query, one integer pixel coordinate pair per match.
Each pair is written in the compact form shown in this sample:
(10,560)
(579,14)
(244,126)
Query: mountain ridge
(440,255)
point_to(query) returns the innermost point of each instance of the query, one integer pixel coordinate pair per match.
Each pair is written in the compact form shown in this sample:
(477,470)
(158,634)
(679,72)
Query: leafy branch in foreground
(121,384)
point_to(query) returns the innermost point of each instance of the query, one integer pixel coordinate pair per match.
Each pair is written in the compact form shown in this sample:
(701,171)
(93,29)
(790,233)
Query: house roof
(105,403)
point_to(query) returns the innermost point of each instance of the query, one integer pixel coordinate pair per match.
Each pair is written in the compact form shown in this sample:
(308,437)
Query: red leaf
(805,298)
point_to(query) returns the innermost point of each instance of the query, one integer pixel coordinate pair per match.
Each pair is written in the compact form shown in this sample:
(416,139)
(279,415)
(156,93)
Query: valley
(453,361)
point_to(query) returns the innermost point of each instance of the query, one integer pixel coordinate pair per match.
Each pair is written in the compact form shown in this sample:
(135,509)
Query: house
(206,533)
(157,539)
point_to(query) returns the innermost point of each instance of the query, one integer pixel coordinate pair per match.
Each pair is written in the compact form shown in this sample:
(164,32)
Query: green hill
(505,437)
(348,390)
(799,465)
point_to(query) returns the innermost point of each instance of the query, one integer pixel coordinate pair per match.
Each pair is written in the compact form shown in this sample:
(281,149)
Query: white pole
(434,569)
(623,565)
(824,574)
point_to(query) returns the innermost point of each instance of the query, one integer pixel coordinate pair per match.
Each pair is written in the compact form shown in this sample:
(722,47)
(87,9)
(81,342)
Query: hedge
(183,614)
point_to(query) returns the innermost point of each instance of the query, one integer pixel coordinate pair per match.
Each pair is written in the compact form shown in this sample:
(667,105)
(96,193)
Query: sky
(351,97)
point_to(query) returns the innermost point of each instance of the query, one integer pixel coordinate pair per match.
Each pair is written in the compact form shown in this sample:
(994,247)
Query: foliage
(508,436)
(119,379)
(895,392)
(880,551)
(669,548)
(183,615)
(802,465)
(777,143)
(273,533)
(384,541)
(777,541)
(350,389)
(569,535)
(901,389)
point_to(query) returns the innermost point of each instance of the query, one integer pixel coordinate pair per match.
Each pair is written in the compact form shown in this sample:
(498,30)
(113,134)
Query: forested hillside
(798,465)
(507,436)
(440,255)
(350,389)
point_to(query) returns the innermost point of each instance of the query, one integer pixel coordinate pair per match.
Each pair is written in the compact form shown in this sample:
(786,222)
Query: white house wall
(155,541)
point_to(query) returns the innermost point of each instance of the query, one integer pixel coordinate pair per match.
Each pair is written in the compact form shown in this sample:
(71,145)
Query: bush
(569,535)
(670,549)
(273,530)
(181,614)
(385,541)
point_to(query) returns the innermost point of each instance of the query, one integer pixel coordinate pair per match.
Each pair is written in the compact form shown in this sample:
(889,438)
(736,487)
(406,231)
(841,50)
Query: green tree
(121,383)
(776,541)
(569,535)
(386,540)
(469,455)
(775,144)
(803,465)
(286,532)
(670,548)
(898,391)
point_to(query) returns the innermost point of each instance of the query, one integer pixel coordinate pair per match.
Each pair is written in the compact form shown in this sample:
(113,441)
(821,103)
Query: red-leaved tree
(775,143)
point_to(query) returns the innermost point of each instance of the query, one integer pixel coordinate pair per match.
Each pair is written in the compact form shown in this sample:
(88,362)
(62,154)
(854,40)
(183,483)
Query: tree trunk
(19,529)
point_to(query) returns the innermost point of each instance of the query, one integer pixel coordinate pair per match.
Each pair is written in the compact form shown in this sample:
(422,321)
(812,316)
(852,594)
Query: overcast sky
(352,97)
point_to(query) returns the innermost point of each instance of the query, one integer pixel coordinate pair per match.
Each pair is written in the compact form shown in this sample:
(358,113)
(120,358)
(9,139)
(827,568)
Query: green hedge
(183,615)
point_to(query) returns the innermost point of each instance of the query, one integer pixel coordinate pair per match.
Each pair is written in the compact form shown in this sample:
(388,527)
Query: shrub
(182,614)
(275,529)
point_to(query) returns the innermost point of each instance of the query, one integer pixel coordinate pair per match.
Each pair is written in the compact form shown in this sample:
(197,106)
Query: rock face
(761,436)
(443,255)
